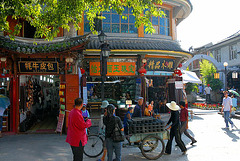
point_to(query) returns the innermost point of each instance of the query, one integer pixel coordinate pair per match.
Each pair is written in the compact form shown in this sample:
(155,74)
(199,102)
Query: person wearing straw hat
(174,129)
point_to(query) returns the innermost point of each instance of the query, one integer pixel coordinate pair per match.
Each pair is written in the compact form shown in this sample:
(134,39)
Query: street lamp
(225,64)
(105,52)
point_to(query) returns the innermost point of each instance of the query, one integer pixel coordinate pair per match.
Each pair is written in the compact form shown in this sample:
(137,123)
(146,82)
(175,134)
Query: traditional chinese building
(31,74)
(42,77)
(134,52)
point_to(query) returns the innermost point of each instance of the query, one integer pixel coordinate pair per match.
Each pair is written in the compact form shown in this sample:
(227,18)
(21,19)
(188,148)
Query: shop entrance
(158,93)
(39,103)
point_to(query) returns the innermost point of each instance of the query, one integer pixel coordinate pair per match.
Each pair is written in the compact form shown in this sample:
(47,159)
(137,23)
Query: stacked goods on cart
(146,125)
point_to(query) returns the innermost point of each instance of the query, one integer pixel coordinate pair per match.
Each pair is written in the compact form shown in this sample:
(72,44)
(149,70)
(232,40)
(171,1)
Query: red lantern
(142,71)
(82,70)
(177,71)
(180,65)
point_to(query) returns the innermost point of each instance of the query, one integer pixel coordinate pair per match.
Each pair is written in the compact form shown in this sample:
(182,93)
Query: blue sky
(210,21)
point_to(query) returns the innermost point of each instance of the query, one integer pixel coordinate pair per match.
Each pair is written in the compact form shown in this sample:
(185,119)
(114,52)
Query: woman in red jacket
(76,135)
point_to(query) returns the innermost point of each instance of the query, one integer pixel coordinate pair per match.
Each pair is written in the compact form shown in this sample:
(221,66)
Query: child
(85,115)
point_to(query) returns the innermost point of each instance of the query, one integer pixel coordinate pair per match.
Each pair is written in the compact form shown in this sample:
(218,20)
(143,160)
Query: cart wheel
(152,147)
(94,146)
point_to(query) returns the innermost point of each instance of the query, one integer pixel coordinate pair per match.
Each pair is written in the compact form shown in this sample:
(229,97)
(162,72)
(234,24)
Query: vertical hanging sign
(62,94)
(138,88)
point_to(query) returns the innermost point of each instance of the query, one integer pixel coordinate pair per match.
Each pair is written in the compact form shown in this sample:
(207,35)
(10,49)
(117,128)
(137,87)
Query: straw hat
(173,106)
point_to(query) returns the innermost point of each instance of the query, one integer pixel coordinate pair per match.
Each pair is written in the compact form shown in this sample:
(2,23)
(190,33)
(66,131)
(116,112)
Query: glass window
(124,28)
(132,29)
(114,23)
(106,28)
(108,18)
(131,19)
(86,24)
(115,28)
(162,23)
(124,20)
(115,18)
(155,20)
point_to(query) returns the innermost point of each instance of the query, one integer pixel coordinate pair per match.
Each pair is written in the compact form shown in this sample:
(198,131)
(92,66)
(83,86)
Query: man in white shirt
(208,92)
(226,108)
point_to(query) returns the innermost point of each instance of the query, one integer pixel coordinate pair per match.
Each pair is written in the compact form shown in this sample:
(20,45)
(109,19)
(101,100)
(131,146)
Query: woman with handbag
(113,133)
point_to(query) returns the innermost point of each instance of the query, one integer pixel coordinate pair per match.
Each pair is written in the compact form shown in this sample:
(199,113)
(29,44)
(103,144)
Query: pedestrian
(174,129)
(105,103)
(1,120)
(234,105)
(200,89)
(138,108)
(208,93)
(76,134)
(184,121)
(127,122)
(109,121)
(85,115)
(227,108)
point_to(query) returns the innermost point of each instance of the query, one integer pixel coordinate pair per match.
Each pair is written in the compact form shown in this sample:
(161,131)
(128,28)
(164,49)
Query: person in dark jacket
(109,122)
(184,121)
(175,129)
(138,108)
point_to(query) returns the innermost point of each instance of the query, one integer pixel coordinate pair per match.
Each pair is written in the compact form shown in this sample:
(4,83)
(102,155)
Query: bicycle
(95,144)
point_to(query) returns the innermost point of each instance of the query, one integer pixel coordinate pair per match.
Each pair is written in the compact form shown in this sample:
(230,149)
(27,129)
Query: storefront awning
(190,77)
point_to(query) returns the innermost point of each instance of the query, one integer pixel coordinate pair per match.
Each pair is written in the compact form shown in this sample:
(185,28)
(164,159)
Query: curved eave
(33,46)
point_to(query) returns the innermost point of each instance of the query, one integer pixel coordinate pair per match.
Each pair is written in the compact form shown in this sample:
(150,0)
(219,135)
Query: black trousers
(175,132)
(77,152)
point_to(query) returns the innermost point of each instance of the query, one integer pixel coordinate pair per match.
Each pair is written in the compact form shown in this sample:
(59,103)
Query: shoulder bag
(117,135)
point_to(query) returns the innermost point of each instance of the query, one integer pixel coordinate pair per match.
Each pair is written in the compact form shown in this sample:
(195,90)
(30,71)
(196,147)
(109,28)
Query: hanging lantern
(177,71)
(180,65)
(82,70)
(142,71)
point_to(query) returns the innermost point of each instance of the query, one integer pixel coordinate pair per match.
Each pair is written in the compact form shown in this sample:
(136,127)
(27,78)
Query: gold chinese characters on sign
(160,64)
(38,67)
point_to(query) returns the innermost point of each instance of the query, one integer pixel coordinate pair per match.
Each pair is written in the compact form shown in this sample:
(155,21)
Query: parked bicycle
(95,144)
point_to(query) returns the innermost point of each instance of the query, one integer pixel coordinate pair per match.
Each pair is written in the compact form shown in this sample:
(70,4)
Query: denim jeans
(113,146)
(227,118)
(1,119)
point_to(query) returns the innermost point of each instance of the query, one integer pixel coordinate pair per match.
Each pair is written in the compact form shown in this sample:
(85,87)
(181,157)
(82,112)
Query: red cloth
(77,128)
(184,114)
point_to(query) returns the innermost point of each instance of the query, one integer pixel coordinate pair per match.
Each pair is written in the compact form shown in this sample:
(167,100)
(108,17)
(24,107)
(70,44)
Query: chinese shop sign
(38,67)
(160,64)
(114,68)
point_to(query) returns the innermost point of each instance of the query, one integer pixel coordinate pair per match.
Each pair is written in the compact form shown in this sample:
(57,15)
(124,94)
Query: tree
(207,71)
(49,15)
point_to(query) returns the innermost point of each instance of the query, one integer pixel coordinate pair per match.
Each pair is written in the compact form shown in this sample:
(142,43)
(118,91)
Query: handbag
(117,135)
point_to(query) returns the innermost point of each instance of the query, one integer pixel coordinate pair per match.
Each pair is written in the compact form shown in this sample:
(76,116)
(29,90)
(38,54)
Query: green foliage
(191,87)
(207,71)
(48,15)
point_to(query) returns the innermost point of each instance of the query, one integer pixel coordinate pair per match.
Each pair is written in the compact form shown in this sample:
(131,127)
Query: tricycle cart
(151,144)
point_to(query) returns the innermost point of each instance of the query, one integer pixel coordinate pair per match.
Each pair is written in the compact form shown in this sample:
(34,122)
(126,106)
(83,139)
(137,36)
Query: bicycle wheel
(94,146)
(152,147)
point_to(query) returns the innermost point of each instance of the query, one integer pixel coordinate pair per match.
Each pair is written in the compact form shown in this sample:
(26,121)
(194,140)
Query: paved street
(214,144)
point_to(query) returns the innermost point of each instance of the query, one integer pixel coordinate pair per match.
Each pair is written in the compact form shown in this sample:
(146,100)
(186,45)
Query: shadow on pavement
(230,133)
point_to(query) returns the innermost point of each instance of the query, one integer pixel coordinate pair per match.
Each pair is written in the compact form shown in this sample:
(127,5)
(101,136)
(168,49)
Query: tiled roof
(138,44)
(27,46)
